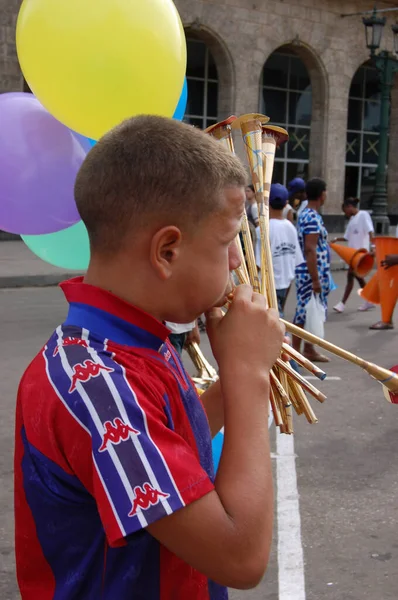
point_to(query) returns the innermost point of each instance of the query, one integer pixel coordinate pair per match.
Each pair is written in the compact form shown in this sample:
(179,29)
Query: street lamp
(387,65)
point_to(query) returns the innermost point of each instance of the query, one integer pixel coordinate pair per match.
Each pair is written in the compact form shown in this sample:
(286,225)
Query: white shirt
(302,206)
(287,210)
(358,229)
(180,327)
(285,250)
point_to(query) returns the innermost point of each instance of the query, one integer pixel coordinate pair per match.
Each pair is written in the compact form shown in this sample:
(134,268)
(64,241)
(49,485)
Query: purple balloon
(39,161)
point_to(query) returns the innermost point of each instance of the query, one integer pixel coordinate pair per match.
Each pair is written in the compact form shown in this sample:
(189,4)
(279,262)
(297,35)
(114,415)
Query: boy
(115,495)
(285,248)
(359,234)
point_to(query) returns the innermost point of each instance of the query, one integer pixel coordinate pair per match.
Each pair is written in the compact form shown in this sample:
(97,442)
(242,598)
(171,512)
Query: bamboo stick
(301,381)
(387,378)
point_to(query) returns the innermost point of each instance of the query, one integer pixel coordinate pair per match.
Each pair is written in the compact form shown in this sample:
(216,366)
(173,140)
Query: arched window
(202,77)
(286,97)
(363,130)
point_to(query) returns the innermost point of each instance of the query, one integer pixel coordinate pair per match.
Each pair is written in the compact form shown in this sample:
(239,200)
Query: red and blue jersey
(110,437)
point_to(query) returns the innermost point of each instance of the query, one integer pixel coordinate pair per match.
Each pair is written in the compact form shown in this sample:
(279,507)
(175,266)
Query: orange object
(388,278)
(360,261)
(371,291)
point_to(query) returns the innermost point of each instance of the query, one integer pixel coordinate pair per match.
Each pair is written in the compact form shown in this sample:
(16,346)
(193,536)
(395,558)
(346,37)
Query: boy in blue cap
(285,247)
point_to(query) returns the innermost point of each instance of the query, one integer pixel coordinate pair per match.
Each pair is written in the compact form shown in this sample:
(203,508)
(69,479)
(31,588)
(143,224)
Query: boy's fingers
(243,291)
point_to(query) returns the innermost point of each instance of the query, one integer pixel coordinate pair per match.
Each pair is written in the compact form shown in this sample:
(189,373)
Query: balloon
(85,143)
(68,248)
(217,444)
(39,161)
(93,63)
(182,103)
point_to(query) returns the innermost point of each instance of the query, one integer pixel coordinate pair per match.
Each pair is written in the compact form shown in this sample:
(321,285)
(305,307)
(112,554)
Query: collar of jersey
(110,317)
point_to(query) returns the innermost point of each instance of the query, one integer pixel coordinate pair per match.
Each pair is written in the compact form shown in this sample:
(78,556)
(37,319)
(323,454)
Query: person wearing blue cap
(297,199)
(285,247)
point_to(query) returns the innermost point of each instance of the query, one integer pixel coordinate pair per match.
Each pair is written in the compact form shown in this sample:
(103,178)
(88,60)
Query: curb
(21,281)
(26,281)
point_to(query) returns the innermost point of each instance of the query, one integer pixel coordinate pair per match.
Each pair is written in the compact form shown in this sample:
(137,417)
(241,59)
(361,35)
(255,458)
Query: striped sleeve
(311,224)
(135,466)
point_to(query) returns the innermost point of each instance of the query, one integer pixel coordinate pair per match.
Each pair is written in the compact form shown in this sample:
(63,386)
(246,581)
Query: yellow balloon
(93,63)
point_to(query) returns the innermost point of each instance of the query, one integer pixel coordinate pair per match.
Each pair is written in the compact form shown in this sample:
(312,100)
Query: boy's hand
(249,337)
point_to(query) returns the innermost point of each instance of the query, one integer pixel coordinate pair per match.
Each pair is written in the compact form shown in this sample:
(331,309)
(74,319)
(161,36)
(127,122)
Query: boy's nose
(234,258)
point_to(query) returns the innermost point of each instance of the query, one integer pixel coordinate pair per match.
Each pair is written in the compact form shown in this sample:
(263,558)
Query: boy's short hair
(278,196)
(315,188)
(151,169)
(351,202)
(250,186)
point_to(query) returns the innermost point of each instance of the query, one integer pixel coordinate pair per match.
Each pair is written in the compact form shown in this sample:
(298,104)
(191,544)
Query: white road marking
(290,550)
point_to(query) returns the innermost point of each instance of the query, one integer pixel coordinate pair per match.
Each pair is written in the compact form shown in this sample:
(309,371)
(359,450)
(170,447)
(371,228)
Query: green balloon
(68,248)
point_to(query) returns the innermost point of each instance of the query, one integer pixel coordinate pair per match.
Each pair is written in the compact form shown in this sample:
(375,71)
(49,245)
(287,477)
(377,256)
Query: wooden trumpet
(287,388)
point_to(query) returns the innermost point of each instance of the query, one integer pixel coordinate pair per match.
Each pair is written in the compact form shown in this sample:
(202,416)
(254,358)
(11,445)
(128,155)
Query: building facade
(299,62)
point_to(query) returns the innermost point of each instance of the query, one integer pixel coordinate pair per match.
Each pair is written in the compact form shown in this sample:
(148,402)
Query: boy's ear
(165,249)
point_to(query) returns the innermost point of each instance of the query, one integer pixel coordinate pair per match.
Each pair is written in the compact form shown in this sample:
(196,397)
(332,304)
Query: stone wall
(243,34)
(10,74)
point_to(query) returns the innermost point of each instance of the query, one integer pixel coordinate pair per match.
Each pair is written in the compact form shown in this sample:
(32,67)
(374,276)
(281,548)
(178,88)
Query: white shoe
(366,306)
(339,308)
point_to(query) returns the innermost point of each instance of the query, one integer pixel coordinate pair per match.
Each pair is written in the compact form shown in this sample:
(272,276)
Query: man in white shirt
(359,234)
(285,248)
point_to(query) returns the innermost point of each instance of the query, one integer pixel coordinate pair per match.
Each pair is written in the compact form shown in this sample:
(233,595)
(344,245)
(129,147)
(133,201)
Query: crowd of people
(300,247)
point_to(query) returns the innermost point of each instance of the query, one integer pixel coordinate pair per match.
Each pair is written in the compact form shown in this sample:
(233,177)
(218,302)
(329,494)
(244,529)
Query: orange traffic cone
(388,278)
(371,291)
(360,261)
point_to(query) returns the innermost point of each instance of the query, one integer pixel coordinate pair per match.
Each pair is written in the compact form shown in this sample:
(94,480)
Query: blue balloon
(218,442)
(182,103)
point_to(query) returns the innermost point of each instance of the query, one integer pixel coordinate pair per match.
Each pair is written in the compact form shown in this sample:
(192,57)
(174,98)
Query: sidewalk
(19,267)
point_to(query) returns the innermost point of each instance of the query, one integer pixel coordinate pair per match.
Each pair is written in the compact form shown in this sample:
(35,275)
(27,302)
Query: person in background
(251,205)
(313,276)
(359,234)
(252,212)
(183,333)
(297,199)
(285,247)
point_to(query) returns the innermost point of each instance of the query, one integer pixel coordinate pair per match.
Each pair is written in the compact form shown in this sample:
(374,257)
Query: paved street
(347,464)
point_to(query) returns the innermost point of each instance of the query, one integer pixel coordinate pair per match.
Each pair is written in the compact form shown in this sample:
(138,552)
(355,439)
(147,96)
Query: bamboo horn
(251,129)
(222,132)
(387,378)
(272,137)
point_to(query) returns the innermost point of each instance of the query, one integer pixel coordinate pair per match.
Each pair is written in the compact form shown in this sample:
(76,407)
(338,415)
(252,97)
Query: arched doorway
(286,97)
(363,134)
(202,78)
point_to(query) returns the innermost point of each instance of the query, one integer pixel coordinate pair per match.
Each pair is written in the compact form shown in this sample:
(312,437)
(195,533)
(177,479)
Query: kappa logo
(84,372)
(115,433)
(70,341)
(167,355)
(144,498)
